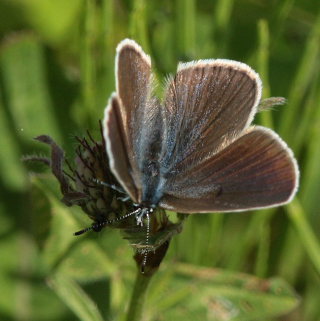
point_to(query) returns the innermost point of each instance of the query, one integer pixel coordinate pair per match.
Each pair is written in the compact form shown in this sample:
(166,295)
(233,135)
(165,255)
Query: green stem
(307,236)
(138,297)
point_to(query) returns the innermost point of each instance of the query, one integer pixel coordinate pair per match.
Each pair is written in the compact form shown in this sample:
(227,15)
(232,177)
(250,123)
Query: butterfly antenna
(145,256)
(112,186)
(99,225)
(85,230)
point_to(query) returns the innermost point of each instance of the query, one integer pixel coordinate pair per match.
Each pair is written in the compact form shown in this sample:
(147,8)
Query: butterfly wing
(114,134)
(211,160)
(135,118)
(257,170)
(208,104)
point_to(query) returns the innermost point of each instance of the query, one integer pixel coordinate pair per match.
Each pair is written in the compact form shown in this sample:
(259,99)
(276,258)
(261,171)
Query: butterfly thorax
(152,184)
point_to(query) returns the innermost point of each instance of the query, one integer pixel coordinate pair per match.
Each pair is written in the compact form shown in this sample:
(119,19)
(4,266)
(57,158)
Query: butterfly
(196,150)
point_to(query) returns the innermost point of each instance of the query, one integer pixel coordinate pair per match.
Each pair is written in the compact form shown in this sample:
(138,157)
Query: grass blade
(75,298)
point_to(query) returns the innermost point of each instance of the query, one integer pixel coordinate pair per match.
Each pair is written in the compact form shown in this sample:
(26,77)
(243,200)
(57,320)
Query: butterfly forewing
(208,104)
(257,170)
(133,75)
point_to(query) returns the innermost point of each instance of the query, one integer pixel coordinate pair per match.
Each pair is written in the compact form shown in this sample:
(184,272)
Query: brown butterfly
(195,151)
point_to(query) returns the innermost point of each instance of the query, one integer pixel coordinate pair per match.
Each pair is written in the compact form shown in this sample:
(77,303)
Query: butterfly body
(152,184)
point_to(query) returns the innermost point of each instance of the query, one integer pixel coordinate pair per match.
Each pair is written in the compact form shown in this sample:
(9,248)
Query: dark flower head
(89,183)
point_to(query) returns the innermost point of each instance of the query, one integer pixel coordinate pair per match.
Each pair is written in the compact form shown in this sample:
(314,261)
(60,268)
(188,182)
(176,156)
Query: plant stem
(138,296)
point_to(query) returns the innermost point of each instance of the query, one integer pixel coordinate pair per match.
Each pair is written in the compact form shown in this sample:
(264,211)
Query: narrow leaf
(75,298)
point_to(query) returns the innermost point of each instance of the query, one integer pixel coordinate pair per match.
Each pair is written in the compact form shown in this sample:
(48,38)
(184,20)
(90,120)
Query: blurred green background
(56,74)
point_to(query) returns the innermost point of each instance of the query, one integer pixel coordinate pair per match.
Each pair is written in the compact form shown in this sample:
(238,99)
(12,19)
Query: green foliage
(56,74)
(211,294)
(75,298)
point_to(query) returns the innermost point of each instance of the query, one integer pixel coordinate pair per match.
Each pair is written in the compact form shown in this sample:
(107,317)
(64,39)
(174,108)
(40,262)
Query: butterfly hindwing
(255,171)
(114,134)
